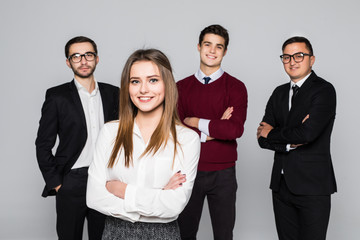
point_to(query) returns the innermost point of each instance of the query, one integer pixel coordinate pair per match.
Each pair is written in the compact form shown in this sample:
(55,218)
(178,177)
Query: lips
(211,57)
(145,99)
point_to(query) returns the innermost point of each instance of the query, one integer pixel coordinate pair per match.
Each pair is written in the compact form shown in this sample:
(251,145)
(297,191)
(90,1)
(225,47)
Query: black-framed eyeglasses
(76,57)
(298,57)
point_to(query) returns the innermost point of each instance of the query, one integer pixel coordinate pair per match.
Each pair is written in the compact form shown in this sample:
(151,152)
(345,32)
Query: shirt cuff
(204,126)
(203,137)
(129,199)
(289,148)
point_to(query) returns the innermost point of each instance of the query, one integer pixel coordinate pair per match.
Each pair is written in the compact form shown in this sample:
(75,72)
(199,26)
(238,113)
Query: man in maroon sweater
(214,104)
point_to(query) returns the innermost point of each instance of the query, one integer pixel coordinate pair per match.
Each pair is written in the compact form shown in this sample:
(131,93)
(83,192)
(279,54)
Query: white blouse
(144,201)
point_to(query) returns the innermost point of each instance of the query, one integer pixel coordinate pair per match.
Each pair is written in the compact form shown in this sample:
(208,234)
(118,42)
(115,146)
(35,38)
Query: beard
(83,75)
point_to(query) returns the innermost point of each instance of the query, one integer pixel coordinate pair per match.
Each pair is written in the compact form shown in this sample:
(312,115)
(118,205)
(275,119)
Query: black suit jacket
(308,169)
(63,116)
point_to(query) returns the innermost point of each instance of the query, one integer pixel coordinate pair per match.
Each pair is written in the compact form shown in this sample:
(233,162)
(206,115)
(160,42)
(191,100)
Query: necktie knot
(295,89)
(207,80)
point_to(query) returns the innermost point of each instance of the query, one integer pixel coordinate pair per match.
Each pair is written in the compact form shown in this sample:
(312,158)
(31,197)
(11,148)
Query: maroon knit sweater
(209,101)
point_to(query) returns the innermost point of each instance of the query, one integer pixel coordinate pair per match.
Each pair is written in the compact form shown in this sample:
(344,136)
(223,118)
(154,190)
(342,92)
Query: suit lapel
(77,102)
(285,102)
(303,91)
(105,101)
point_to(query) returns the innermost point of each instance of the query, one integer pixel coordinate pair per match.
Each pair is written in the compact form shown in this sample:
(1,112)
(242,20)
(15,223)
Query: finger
(227,117)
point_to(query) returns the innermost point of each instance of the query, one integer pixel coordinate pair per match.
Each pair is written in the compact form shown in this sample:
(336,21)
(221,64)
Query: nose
(83,59)
(292,60)
(212,49)
(144,88)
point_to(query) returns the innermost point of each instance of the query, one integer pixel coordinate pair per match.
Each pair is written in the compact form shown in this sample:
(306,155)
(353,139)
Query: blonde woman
(144,164)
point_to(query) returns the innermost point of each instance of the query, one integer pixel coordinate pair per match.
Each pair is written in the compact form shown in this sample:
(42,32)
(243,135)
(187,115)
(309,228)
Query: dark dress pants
(71,209)
(220,189)
(300,217)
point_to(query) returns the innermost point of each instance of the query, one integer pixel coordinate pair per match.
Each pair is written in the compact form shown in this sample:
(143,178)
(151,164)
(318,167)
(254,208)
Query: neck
(88,83)
(148,122)
(207,70)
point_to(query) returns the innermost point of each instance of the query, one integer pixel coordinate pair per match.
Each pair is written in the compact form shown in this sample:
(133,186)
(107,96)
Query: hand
(117,188)
(175,181)
(306,118)
(227,114)
(192,121)
(298,145)
(208,138)
(57,188)
(263,130)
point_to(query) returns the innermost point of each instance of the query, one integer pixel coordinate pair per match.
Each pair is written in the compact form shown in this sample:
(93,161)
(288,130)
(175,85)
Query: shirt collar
(136,129)
(215,76)
(300,82)
(82,88)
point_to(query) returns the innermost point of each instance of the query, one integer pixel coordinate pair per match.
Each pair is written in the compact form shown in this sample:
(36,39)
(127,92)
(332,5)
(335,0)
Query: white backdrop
(33,35)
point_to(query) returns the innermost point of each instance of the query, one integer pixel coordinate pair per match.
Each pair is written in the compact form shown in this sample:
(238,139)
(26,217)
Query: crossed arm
(118,188)
(194,121)
(263,131)
(111,194)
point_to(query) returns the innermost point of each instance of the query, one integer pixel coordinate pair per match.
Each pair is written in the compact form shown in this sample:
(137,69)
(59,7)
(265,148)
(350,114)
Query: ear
(97,60)
(68,63)
(198,47)
(225,53)
(312,60)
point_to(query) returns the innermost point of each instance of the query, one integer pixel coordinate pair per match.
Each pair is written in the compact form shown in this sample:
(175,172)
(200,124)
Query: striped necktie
(207,80)
(295,89)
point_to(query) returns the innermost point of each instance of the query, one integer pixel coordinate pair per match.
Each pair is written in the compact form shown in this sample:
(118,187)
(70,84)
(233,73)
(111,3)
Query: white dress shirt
(94,116)
(204,123)
(299,84)
(144,201)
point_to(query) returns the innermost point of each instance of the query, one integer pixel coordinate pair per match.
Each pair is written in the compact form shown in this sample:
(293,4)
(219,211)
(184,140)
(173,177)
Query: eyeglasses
(76,57)
(298,57)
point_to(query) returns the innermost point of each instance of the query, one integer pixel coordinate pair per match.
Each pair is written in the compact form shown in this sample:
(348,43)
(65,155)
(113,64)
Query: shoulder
(318,81)
(109,131)
(111,126)
(107,86)
(60,92)
(65,87)
(186,134)
(282,88)
(233,81)
(185,80)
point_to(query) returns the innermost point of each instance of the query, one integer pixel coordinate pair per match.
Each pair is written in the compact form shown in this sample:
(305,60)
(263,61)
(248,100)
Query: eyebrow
(218,44)
(151,76)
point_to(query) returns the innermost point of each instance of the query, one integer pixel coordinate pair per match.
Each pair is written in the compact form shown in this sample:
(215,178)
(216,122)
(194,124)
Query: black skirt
(118,229)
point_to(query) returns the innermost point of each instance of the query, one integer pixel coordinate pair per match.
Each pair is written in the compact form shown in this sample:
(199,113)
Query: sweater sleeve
(180,105)
(234,127)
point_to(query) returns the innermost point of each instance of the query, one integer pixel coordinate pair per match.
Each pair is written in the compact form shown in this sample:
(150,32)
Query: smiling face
(298,71)
(84,68)
(146,88)
(212,50)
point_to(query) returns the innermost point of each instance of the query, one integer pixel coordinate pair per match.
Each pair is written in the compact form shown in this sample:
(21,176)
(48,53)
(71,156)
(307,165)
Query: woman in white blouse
(145,164)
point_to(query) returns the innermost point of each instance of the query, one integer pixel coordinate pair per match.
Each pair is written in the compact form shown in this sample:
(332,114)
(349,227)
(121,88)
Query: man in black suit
(74,112)
(297,125)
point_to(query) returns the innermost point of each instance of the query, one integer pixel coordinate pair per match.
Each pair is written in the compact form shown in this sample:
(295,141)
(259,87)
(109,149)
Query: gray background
(33,35)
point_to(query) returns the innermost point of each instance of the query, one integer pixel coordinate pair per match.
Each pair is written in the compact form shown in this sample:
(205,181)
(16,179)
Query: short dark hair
(79,39)
(298,39)
(215,29)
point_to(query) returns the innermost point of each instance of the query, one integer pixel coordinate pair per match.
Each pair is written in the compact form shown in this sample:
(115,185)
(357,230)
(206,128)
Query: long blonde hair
(128,111)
